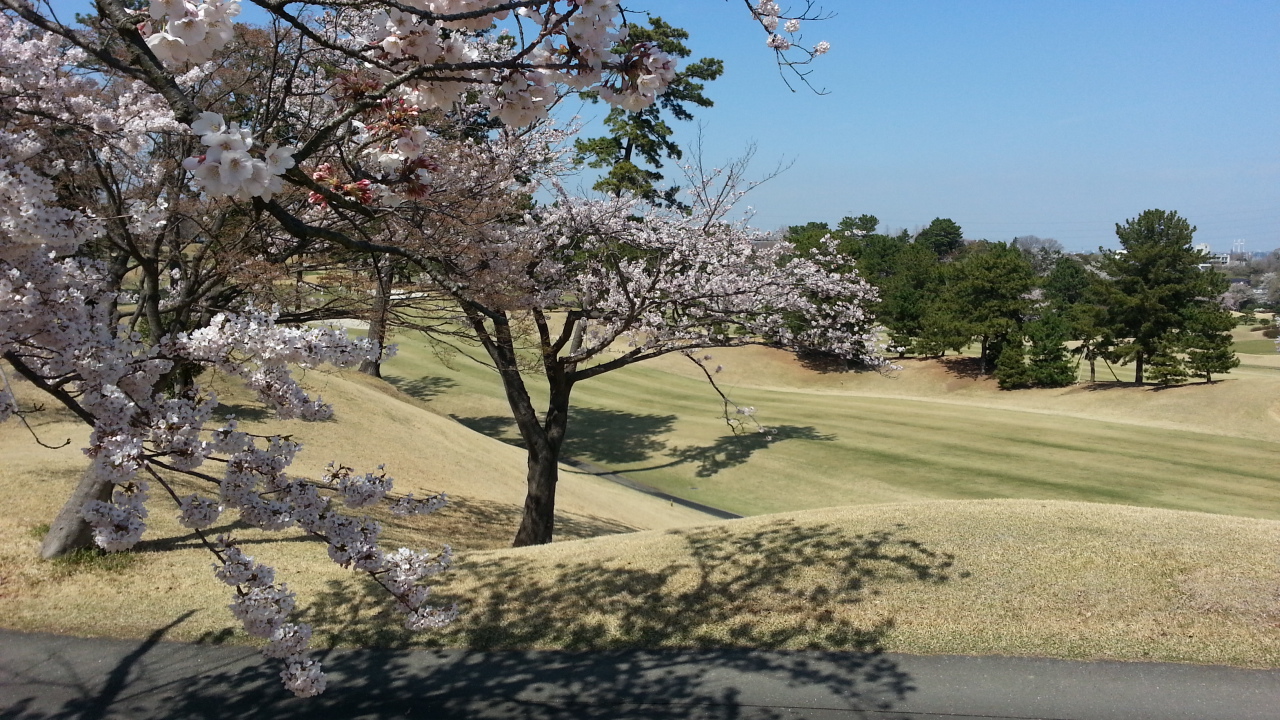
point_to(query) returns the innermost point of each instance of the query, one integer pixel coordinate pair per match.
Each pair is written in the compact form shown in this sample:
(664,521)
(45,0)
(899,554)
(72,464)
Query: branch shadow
(733,450)
(423,388)
(245,412)
(614,436)
(734,613)
(605,436)
(969,368)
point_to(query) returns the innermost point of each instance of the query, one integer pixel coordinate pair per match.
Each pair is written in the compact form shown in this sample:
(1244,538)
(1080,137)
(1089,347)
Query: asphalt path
(50,676)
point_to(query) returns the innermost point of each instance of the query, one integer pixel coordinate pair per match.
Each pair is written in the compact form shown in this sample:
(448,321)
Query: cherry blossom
(376,137)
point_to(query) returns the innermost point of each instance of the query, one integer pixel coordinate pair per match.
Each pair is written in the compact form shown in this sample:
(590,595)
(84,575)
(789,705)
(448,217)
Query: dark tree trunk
(538,524)
(378,320)
(69,531)
(1093,370)
(1137,373)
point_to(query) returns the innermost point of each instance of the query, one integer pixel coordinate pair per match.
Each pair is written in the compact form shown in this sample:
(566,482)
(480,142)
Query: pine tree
(988,287)
(1208,343)
(1155,284)
(644,137)
(1164,366)
(1012,372)
(1050,363)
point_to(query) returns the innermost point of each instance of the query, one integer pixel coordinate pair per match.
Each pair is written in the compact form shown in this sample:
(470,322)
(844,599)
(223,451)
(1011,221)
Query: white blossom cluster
(252,346)
(574,48)
(227,168)
(191,33)
(263,609)
(358,490)
(119,524)
(686,280)
(55,321)
(769,14)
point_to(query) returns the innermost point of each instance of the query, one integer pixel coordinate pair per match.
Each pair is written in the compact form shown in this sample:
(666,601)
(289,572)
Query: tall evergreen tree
(912,279)
(943,236)
(1155,283)
(989,287)
(1077,295)
(1208,343)
(643,137)
(1049,363)
(1012,372)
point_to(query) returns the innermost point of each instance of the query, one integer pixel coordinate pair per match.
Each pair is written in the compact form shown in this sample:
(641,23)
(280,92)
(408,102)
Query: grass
(936,567)
(92,560)
(1260,346)
(944,436)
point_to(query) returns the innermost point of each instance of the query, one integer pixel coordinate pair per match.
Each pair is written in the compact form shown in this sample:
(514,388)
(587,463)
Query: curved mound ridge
(1013,577)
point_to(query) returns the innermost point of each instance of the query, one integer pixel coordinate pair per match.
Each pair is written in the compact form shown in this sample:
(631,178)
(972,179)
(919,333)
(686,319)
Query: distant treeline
(1036,311)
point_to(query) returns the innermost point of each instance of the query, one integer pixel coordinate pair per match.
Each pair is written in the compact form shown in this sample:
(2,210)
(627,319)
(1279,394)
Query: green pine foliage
(988,287)
(1049,363)
(1165,366)
(639,141)
(1155,286)
(1208,343)
(1012,372)
(943,236)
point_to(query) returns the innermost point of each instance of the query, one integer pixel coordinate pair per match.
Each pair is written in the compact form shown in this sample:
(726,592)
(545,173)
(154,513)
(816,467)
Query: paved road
(49,676)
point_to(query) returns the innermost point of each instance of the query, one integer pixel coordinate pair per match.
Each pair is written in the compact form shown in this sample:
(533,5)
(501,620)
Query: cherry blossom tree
(129,145)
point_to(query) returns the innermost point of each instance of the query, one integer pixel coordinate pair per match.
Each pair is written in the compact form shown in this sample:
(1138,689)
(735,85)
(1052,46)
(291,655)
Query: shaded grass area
(987,577)
(1005,577)
(830,449)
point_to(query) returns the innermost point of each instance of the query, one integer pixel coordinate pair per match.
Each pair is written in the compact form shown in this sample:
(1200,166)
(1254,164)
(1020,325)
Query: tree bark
(378,320)
(538,524)
(1137,373)
(537,527)
(70,531)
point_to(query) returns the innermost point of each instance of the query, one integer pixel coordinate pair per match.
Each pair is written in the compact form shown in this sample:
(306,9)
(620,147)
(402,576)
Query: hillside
(1038,577)
(928,431)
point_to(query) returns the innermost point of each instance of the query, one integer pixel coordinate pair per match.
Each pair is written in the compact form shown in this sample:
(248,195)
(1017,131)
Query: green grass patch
(833,449)
(1261,346)
(92,560)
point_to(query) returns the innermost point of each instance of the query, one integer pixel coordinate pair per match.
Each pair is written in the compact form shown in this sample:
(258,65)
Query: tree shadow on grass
(245,412)
(614,436)
(722,609)
(733,450)
(727,588)
(606,436)
(1104,385)
(423,388)
(969,368)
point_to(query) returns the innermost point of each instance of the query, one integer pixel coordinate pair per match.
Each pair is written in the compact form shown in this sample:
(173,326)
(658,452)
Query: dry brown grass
(1020,577)
(1057,579)
(425,452)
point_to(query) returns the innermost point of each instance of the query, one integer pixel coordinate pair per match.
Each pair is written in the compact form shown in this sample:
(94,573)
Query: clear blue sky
(1034,117)
(1012,117)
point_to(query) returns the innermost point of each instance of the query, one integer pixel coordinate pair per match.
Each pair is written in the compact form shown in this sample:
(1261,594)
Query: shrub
(1271,332)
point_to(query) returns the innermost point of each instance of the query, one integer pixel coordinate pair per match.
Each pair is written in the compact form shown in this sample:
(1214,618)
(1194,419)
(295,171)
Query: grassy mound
(926,432)
(1058,579)
(947,572)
